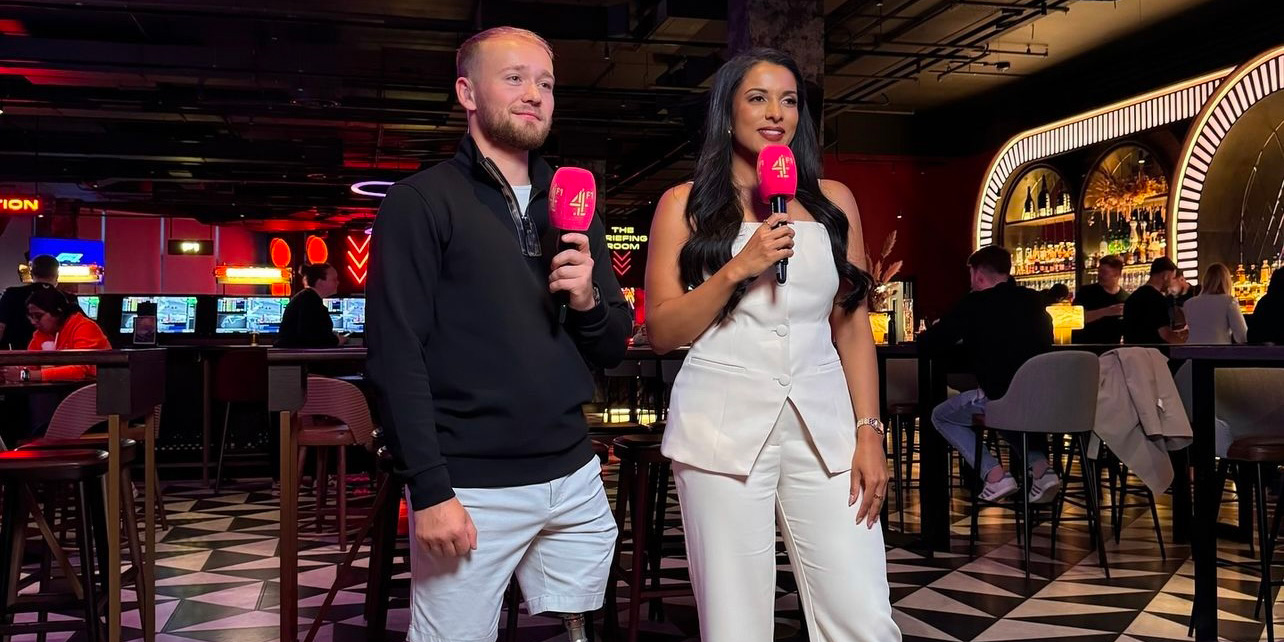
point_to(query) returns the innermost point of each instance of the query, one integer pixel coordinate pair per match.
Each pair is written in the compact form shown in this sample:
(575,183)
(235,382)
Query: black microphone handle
(779,205)
(563,298)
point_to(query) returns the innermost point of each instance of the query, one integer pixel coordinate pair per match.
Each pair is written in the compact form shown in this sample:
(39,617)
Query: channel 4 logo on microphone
(782,166)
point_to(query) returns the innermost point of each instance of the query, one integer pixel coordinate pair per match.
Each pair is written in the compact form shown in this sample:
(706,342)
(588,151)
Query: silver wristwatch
(873,422)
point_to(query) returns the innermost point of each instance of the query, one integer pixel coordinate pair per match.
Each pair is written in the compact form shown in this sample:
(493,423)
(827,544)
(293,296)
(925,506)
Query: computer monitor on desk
(249,314)
(88,305)
(174,314)
(348,314)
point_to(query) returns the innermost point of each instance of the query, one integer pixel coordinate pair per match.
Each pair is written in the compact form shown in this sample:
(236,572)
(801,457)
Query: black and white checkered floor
(217,582)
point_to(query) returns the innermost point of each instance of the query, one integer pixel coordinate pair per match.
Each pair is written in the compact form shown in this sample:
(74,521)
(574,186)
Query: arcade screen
(174,314)
(348,314)
(89,304)
(246,314)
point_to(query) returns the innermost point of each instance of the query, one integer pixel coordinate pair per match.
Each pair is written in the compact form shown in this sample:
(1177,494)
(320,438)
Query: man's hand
(446,529)
(572,271)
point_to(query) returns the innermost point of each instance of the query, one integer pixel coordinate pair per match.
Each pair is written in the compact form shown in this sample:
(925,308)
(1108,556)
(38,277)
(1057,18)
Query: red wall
(181,274)
(137,255)
(133,251)
(935,201)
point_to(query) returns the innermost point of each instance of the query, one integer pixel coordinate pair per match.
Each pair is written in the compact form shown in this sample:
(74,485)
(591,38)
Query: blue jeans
(953,419)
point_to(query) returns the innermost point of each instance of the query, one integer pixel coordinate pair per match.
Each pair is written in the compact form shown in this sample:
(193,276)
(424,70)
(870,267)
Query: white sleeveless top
(776,346)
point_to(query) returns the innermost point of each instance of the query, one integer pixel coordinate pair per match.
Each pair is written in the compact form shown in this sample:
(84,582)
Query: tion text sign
(19,204)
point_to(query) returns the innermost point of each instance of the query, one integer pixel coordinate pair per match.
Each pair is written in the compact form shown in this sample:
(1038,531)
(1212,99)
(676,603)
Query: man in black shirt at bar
(1148,313)
(1000,325)
(480,389)
(306,322)
(15,327)
(1103,304)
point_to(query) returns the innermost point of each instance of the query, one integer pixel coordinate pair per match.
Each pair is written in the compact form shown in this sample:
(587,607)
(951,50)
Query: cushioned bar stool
(641,503)
(902,408)
(1028,408)
(85,469)
(335,416)
(132,516)
(1262,454)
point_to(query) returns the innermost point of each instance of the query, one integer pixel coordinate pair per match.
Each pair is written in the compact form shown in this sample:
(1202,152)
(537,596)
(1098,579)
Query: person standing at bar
(1103,304)
(1148,316)
(773,421)
(1213,315)
(305,322)
(1266,324)
(1000,325)
(15,328)
(480,389)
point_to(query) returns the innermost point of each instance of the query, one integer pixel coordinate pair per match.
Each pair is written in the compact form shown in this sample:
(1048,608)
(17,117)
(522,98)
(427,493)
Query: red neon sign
(358,257)
(316,250)
(19,204)
(279,252)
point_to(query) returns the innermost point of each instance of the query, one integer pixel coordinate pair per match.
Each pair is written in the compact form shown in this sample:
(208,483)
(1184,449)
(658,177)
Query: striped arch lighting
(1245,87)
(1124,118)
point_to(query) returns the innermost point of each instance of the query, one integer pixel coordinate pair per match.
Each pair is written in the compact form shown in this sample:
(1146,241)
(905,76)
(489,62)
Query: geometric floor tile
(217,581)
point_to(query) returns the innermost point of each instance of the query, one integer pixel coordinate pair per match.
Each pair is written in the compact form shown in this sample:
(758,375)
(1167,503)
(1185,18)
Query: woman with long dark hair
(774,415)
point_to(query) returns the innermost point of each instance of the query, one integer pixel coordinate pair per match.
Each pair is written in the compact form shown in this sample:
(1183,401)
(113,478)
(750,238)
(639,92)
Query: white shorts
(558,537)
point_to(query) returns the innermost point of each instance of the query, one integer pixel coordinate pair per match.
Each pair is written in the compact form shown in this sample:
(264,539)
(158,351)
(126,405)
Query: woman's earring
(728,131)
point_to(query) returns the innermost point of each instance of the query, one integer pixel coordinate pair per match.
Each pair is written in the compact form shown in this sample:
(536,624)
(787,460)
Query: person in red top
(60,325)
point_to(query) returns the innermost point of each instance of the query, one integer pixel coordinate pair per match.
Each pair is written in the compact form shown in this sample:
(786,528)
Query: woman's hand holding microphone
(770,243)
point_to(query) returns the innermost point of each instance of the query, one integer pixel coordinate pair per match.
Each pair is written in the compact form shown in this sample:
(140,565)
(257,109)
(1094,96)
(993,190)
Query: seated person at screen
(306,323)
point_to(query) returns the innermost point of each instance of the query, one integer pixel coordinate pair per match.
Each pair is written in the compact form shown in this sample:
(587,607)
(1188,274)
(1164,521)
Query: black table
(287,393)
(1205,362)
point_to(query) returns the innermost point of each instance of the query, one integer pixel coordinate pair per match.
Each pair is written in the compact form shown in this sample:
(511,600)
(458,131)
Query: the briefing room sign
(627,245)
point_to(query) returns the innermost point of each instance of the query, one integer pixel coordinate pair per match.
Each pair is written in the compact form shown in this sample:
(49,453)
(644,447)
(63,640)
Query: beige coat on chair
(1140,415)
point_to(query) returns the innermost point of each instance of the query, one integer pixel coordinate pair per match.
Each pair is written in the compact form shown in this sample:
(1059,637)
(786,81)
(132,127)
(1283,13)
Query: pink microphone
(572,199)
(777,184)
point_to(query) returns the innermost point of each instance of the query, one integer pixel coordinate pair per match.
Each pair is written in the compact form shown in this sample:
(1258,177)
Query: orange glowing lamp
(251,275)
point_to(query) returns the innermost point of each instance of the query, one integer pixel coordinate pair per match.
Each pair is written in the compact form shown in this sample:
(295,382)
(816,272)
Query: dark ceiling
(226,110)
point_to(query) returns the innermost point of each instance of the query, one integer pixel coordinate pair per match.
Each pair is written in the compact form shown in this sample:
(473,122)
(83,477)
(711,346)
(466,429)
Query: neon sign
(19,204)
(363,188)
(623,241)
(358,257)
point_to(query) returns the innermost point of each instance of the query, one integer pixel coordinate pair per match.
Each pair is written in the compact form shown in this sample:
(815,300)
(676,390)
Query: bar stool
(902,408)
(336,415)
(128,455)
(643,488)
(78,413)
(85,469)
(1027,409)
(629,372)
(1262,453)
(239,377)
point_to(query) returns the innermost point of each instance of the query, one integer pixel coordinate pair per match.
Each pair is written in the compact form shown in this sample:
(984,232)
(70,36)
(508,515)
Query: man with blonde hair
(480,388)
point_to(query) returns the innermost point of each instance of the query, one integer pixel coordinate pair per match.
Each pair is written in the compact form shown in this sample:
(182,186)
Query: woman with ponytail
(774,415)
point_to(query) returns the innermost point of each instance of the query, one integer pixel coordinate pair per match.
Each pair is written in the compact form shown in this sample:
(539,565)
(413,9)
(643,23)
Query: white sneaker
(994,491)
(1044,489)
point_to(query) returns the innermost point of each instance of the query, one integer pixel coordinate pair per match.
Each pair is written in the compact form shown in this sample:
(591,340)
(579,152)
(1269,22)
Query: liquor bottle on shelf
(1027,212)
(1239,274)
(1044,198)
(1134,236)
(1266,272)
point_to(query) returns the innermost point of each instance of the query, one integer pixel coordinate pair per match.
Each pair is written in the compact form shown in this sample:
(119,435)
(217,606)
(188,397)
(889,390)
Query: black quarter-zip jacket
(477,385)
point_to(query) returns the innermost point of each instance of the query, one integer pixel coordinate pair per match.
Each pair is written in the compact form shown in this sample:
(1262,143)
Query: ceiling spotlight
(1003,65)
(1,109)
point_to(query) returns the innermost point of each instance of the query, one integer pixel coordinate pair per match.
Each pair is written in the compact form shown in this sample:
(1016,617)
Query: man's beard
(504,128)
